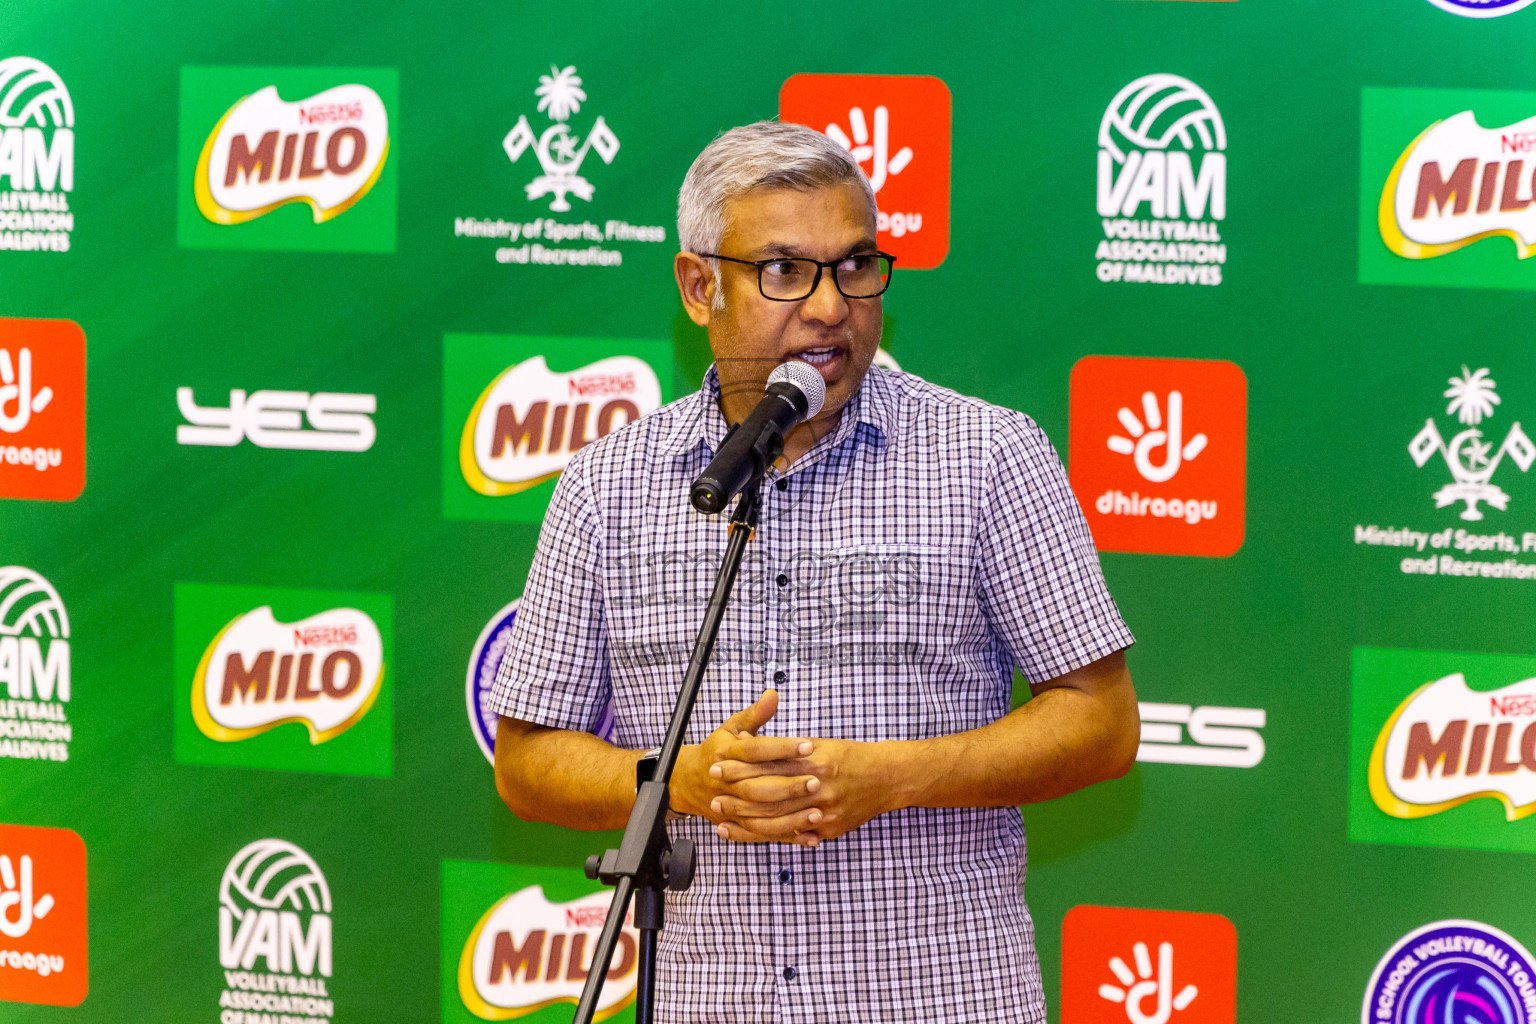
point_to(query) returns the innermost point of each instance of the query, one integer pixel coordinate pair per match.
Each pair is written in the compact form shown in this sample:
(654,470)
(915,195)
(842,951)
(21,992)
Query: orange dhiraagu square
(1158,453)
(897,128)
(42,409)
(42,916)
(1120,964)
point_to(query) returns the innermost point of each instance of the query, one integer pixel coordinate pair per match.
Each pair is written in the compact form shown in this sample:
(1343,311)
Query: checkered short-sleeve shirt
(900,570)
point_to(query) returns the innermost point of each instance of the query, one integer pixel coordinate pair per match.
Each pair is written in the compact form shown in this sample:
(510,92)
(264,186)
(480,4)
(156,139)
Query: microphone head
(803,376)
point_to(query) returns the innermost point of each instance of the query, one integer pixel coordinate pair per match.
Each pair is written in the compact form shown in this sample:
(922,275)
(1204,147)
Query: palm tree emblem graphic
(560,151)
(1471,459)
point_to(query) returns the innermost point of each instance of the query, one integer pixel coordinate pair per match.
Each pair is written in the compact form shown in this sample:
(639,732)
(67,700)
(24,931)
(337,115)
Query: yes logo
(264,172)
(898,129)
(517,941)
(275,920)
(511,423)
(1220,737)
(1147,967)
(289,679)
(42,916)
(1442,749)
(42,409)
(272,419)
(1158,453)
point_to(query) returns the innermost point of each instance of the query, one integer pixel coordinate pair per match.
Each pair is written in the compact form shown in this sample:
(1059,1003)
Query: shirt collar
(703,424)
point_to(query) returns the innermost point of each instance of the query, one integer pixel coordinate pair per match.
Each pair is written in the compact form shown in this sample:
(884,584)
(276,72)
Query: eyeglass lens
(858,277)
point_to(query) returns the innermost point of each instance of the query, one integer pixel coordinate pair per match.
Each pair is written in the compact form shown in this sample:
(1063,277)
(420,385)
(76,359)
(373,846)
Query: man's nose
(826,304)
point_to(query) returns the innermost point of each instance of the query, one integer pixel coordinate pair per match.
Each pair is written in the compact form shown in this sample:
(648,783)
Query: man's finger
(735,809)
(774,788)
(761,749)
(729,772)
(753,717)
(795,828)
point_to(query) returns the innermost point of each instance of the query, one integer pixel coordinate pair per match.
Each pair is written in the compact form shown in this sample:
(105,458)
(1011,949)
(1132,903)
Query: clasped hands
(771,789)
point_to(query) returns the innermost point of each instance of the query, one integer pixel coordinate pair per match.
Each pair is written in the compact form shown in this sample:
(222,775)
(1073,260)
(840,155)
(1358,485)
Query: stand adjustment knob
(677,865)
(593,863)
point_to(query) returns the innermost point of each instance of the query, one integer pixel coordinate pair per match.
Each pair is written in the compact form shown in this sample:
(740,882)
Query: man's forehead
(837,217)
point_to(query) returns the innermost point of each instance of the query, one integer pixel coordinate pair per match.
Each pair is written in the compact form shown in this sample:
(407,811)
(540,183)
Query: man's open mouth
(818,356)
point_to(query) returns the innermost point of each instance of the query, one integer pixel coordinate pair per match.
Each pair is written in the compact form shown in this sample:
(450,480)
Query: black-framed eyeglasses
(792,278)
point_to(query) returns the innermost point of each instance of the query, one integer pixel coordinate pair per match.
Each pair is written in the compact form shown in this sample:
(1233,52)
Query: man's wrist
(910,772)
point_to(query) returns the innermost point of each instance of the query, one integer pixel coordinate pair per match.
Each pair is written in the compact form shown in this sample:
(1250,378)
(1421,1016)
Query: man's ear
(696,284)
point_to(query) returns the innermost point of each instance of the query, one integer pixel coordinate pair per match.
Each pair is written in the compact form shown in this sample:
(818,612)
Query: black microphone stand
(646,865)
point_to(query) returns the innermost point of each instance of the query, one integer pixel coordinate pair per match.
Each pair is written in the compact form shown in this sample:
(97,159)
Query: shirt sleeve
(555,668)
(1038,575)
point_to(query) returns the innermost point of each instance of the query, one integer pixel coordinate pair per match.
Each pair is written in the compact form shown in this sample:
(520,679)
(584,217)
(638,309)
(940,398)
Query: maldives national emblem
(560,151)
(1472,460)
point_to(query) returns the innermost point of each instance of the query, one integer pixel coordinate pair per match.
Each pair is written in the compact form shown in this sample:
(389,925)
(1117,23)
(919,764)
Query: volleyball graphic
(274,874)
(31,93)
(29,604)
(1154,111)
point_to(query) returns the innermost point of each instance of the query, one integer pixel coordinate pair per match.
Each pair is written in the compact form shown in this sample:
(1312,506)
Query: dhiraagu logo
(515,409)
(283,679)
(287,159)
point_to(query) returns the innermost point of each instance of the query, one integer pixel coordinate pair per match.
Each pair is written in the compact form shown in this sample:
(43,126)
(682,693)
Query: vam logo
(34,666)
(1481,8)
(1123,965)
(37,157)
(284,679)
(1463,971)
(43,942)
(42,409)
(311,171)
(511,423)
(1162,188)
(1219,737)
(275,419)
(1158,453)
(275,933)
(897,127)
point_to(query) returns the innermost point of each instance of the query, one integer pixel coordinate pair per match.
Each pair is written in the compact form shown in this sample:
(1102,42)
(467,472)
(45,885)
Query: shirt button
(780,676)
(782,484)
(789,973)
(786,876)
(783,580)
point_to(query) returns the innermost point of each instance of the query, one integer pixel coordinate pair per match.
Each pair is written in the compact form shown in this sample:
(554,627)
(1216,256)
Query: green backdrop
(1341,372)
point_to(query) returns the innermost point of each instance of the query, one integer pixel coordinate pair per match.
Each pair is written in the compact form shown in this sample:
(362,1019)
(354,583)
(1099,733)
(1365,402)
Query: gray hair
(761,155)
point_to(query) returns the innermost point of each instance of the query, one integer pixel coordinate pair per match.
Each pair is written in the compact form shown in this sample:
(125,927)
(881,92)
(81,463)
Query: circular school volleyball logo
(1461,971)
(1481,8)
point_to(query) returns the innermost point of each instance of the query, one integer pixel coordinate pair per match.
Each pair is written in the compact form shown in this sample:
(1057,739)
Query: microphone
(795,393)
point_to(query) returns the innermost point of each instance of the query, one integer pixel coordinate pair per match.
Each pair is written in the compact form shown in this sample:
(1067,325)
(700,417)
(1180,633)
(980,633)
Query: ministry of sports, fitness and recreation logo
(275,934)
(42,409)
(35,668)
(518,940)
(1471,460)
(1162,184)
(511,423)
(257,665)
(272,419)
(897,127)
(43,943)
(560,152)
(1462,971)
(1477,461)
(287,158)
(37,157)
(1125,965)
(1481,8)
(1158,453)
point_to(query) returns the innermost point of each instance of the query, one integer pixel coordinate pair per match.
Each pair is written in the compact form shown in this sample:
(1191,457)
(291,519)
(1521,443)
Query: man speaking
(855,772)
